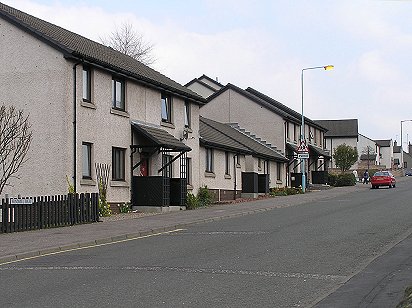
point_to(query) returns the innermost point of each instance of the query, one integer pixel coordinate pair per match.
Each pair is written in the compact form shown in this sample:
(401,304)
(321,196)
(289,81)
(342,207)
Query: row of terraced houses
(90,105)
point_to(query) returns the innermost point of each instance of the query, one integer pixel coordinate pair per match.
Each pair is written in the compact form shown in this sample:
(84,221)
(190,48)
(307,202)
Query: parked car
(383,178)
(408,172)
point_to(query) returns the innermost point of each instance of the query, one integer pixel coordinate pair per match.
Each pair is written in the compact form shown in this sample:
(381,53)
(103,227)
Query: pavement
(382,282)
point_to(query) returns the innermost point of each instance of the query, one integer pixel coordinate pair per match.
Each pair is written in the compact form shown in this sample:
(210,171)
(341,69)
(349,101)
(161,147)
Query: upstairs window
(118,90)
(166,108)
(187,114)
(87,84)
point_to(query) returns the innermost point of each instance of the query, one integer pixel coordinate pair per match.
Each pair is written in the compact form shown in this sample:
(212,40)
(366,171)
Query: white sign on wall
(20,201)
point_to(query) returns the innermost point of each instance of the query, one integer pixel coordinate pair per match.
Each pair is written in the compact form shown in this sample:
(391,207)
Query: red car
(383,178)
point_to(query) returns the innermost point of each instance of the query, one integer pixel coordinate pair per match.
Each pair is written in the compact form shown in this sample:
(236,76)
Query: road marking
(226,233)
(92,246)
(212,271)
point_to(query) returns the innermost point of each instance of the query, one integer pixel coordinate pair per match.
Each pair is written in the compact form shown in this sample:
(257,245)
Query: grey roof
(159,137)
(254,98)
(340,128)
(200,81)
(226,137)
(365,157)
(289,111)
(318,151)
(383,143)
(77,47)
(313,150)
(396,149)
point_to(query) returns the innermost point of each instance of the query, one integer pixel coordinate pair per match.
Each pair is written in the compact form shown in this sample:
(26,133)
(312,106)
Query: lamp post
(302,128)
(402,146)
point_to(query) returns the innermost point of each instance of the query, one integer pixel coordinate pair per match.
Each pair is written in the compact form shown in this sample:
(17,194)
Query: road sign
(303,155)
(302,148)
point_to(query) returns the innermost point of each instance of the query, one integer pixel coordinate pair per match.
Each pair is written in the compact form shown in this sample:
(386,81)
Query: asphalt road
(286,257)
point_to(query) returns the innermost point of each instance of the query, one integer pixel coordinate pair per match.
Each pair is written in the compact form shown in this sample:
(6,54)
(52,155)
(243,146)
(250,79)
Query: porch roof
(159,137)
(319,151)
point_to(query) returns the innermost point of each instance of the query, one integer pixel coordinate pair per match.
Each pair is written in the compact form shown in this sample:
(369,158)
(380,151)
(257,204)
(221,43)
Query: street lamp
(402,146)
(302,128)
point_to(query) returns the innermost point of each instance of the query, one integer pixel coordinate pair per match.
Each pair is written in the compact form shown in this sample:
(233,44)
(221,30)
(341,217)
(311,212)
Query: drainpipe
(234,173)
(75,125)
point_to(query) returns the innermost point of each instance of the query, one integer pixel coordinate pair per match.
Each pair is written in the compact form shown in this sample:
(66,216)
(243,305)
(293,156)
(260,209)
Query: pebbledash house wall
(231,107)
(218,181)
(332,143)
(105,128)
(38,80)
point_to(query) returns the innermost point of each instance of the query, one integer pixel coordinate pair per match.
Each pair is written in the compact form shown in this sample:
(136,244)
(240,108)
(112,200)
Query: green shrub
(332,178)
(345,180)
(124,208)
(70,187)
(104,206)
(284,191)
(192,202)
(204,196)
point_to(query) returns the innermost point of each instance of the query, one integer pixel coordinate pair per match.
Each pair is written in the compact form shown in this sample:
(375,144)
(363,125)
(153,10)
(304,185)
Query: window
(166,108)
(87,160)
(118,157)
(166,159)
(259,164)
(278,171)
(227,163)
(266,167)
(118,94)
(287,131)
(189,171)
(295,132)
(87,84)
(187,114)
(209,160)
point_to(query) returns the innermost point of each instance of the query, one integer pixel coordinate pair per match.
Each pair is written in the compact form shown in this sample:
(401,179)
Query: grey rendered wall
(37,79)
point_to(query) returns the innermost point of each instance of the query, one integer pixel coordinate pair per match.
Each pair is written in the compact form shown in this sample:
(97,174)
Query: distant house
(204,86)
(90,104)
(407,158)
(369,153)
(386,159)
(236,162)
(340,132)
(396,155)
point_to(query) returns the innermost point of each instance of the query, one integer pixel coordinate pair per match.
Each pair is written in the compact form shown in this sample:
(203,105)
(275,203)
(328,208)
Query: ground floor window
(227,163)
(189,171)
(118,164)
(209,160)
(278,171)
(166,159)
(87,160)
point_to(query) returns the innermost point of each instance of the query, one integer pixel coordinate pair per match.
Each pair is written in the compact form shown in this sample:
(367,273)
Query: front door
(144,167)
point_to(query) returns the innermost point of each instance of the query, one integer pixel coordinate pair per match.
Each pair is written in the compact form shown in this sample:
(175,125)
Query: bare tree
(15,140)
(369,152)
(128,41)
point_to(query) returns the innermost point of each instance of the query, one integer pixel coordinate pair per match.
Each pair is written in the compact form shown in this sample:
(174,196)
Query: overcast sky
(266,44)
